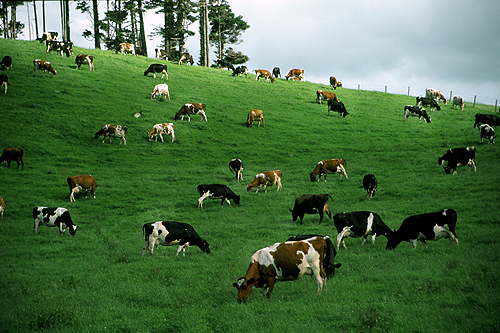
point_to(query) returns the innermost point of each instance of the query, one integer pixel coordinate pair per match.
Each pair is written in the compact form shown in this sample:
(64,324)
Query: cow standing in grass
(236,167)
(111,130)
(161,89)
(328,166)
(255,115)
(266,178)
(311,204)
(157,68)
(160,129)
(79,183)
(53,217)
(370,184)
(13,154)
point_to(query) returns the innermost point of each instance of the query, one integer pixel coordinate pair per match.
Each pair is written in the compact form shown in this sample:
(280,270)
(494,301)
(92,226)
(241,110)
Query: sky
(450,45)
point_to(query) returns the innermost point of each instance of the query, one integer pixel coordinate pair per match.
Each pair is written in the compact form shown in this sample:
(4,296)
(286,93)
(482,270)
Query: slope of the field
(99,281)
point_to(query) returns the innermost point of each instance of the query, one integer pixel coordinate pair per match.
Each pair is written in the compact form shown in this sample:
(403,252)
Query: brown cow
(44,65)
(160,129)
(13,154)
(111,130)
(334,82)
(329,166)
(78,183)
(297,73)
(266,178)
(255,115)
(191,108)
(325,95)
(435,94)
(2,207)
(84,59)
(126,48)
(266,74)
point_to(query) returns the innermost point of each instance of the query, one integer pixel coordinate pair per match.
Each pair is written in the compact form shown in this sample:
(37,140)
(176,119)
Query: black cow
(337,106)
(3,81)
(360,224)
(276,72)
(7,63)
(330,253)
(172,233)
(236,167)
(457,157)
(157,68)
(486,131)
(53,217)
(416,111)
(225,63)
(60,47)
(489,119)
(13,154)
(424,101)
(370,184)
(240,70)
(422,227)
(216,191)
(311,204)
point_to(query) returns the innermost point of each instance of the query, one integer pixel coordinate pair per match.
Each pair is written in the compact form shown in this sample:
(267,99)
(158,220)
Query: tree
(204,41)
(93,13)
(65,22)
(11,28)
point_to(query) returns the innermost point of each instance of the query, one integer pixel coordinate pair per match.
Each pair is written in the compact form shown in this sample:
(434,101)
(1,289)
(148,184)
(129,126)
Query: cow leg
(161,137)
(183,249)
(203,197)
(270,286)
(320,216)
(343,170)
(340,237)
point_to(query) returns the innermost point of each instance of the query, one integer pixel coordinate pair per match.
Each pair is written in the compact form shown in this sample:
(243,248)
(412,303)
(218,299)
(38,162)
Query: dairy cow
(110,130)
(53,217)
(216,191)
(337,106)
(328,166)
(191,108)
(490,119)
(457,157)
(416,111)
(85,59)
(10,154)
(295,72)
(370,185)
(236,167)
(160,129)
(157,68)
(321,94)
(424,101)
(486,131)
(45,66)
(266,178)
(79,183)
(240,70)
(360,224)
(311,204)
(435,94)
(161,89)
(264,73)
(276,72)
(6,63)
(255,115)
(459,102)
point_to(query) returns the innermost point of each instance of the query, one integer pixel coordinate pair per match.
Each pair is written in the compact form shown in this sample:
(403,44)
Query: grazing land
(99,281)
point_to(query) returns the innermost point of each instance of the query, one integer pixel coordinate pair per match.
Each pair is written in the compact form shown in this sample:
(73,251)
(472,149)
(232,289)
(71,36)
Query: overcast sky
(449,45)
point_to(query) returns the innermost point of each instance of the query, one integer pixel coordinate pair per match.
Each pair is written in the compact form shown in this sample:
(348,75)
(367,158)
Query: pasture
(98,280)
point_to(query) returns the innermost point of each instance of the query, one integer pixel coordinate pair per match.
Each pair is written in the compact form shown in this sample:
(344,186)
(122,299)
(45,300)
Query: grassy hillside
(99,281)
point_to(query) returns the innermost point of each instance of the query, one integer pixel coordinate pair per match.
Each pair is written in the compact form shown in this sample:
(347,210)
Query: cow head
(244,287)
(205,247)
(72,230)
(313,176)
(294,216)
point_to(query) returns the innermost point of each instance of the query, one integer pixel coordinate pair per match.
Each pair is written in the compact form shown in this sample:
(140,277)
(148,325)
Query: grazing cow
(236,167)
(283,262)
(486,131)
(161,89)
(295,73)
(240,70)
(339,84)
(266,178)
(13,154)
(160,129)
(416,111)
(276,72)
(172,233)
(116,131)
(162,54)
(490,119)
(225,63)
(457,157)
(44,65)
(216,191)
(255,115)
(337,106)
(360,224)
(3,81)
(84,59)
(263,73)
(191,108)
(157,68)
(126,48)
(370,184)
(60,47)
(334,82)
(7,63)
(48,36)
(458,101)
(78,183)
(320,94)
(424,101)
(329,166)
(188,57)
(311,204)
(53,217)
(2,207)
(435,94)
(422,227)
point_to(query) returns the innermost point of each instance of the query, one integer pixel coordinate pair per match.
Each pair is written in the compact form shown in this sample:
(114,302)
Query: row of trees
(123,21)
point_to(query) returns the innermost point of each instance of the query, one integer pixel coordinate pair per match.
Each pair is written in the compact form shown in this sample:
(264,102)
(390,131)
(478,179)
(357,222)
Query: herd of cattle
(300,255)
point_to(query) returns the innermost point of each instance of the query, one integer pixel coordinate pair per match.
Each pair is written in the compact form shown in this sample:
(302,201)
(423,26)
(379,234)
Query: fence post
(450,94)
(496,102)
(385,89)
(358,86)
(474,105)
(408,90)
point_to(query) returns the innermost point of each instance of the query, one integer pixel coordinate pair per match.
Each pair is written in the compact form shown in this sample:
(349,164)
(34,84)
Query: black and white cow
(53,217)
(157,68)
(490,119)
(162,54)
(276,72)
(236,167)
(330,253)
(457,157)
(422,227)
(424,101)
(48,36)
(360,224)
(60,47)
(216,191)
(172,233)
(3,82)
(311,204)
(7,63)
(240,70)
(416,111)
(337,106)
(486,131)
(370,185)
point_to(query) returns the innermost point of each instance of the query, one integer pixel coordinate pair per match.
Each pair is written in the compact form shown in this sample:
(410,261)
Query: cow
(457,157)
(337,106)
(416,111)
(160,129)
(126,48)
(320,94)
(225,63)
(2,207)
(339,84)
(458,101)
(44,65)
(370,185)
(236,167)
(161,89)
(78,183)
(172,233)
(216,191)
(295,73)
(60,47)
(328,166)
(10,154)
(188,58)
(162,54)
(240,70)
(283,262)
(264,73)
(3,82)
(360,224)
(435,94)
(422,227)
(490,119)
(276,72)
(311,204)
(191,108)
(266,178)
(424,101)
(85,59)
(157,68)
(486,131)
(334,82)
(7,63)
(53,217)
(48,36)
(116,131)
(255,115)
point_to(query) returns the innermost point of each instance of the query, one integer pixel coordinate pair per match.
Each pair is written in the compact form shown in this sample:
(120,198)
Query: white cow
(161,89)
(160,129)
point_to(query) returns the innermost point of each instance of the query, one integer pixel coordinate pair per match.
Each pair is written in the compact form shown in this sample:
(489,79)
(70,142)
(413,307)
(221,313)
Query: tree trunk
(43,15)
(142,34)
(13,18)
(204,42)
(36,20)
(97,33)
(68,25)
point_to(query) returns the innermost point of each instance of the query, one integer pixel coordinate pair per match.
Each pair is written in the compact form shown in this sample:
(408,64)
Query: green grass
(98,280)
